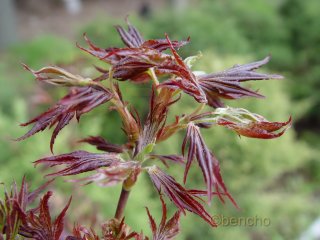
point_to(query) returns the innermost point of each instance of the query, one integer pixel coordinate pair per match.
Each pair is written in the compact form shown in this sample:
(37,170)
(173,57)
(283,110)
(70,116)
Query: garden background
(275,179)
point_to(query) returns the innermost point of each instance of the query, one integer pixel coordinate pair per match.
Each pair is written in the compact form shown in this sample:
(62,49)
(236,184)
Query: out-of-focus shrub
(302,21)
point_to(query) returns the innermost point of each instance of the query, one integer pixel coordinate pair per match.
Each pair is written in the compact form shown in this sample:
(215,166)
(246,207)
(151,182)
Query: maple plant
(140,62)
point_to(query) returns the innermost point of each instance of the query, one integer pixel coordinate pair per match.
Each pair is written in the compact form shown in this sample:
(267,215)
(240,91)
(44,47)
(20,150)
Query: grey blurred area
(23,20)
(313,232)
(8,34)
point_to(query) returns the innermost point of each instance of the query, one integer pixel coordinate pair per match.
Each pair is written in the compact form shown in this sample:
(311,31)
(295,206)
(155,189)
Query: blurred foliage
(275,179)
(304,38)
(45,50)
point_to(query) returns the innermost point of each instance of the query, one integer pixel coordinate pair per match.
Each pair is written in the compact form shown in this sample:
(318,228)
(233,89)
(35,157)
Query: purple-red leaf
(159,106)
(81,233)
(162,44)
(59,221)
(14,204)
(117,173)
(186,80)
(14,207)
(206,160)
(133,62)
(226,84)
(257,129)
(178,194)
(132,38)
(103,144)
(129,63)
(76,103)
(130,118)
(41,226)
(79,162)
(243,122)
(167,229)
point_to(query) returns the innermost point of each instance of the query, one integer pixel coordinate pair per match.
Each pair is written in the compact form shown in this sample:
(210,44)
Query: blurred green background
(276,179)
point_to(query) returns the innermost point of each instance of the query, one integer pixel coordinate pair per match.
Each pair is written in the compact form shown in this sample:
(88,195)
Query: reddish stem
(122,202)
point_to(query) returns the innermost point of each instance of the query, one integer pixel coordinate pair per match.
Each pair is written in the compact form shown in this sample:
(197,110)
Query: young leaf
(133,61)
(130,117)
(76,103)
(129,63)
(79,162)
(59,76)
(41,226)
(117,173)
(118,230)
(186,80)
(206,160)
(103,144)
(81,233)
(178,194)
(244,123)
(159,106)
(15,202)
(167,229)
(14,208)
(226,84)
(133,39)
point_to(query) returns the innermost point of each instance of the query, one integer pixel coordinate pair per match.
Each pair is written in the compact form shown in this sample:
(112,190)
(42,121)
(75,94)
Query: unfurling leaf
(207,161)
(79,162)
(59,76)
(153,126)
(167,229)
(76,103)
(131,123)
(244,122)
(178,194)
(189,61)
(253,125)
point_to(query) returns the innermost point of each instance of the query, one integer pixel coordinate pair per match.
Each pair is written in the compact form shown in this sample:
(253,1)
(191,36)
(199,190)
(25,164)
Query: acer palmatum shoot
(140,61)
